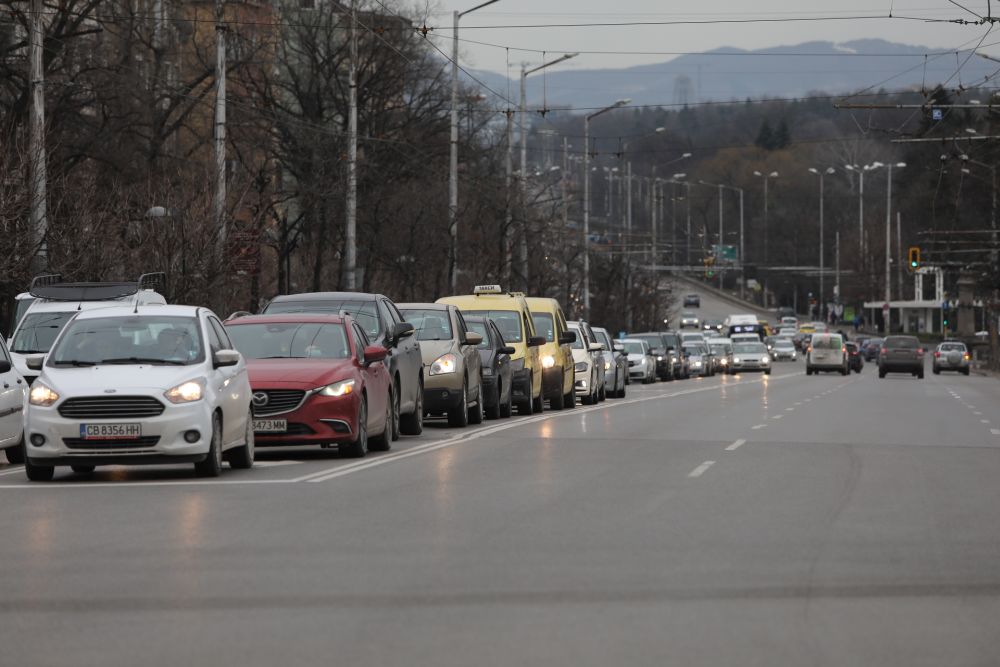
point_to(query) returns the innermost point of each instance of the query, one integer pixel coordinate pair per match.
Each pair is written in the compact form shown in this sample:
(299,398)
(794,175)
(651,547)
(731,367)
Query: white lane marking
(984,421)
(807,400)
(758,427)
(978,414)
(995,431)
(777,416)
(736,445)
(700,470)
(274,464)
(12,471)
(798,402)
(789,409)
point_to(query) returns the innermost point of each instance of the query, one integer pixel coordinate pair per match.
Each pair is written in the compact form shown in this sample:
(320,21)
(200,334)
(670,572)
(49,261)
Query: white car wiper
(143,360)
(74,362)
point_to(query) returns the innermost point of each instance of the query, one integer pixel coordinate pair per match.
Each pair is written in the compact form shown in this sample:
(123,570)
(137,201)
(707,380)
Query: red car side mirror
(375,353)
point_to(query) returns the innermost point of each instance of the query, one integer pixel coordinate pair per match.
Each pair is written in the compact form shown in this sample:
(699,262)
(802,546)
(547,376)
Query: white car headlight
(186,392)
(446,363)
(581,367)
(607,365)
(342,388)
(42,395)
(766,359)
(724,361)
(548,361)
(736,360)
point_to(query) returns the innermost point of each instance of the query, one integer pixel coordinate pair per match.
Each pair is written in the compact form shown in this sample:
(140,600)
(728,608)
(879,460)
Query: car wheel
(526,406)
(936,370)
(558,401)
(212,465)
(383,441)
(767,372)
(458,416)
(965,371)
(359,447)
(38,473)
(476,412)
(413,423)
(621,392)
(538,404)
(83,470)
(395,430)
(493,410)
(920,375)
(569,400)
(506,408)
(242,457)
(15,454)
(844,371)
(602,393)
(881,373)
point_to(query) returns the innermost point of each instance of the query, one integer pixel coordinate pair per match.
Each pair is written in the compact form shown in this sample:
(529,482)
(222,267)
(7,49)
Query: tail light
(884,350)
(937,354)
(843,349)
(920,351)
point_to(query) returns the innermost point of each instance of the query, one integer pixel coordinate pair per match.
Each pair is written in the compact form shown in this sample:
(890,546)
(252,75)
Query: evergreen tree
(782,137)
(765,137)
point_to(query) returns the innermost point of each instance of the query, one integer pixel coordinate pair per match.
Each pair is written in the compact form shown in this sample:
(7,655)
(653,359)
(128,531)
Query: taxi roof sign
(487,289)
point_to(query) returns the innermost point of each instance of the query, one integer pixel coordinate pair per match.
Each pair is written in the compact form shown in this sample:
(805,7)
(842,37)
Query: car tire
(569,400)
(212,465)
(538,404)
(396,416)
(602,394)
(413,423)
(458,416)
(965,371)
(476,411)
(881,373)
(493,410)
(383,441)
(506,408)
(809,371)
(83,470)
(936,370)
(845,371)
(767,372)
(242,457)
(357,448)
(920,375)
(558,401)
(621,392)
(15,454)
(38,473)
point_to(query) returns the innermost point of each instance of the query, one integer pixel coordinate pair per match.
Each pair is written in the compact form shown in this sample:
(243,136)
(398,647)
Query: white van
(55,303)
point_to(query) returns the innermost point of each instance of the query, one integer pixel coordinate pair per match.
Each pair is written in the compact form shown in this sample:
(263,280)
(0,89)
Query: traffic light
(914,258)
(709,264)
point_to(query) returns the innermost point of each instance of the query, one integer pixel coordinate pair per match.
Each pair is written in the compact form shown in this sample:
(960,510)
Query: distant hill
(727,73)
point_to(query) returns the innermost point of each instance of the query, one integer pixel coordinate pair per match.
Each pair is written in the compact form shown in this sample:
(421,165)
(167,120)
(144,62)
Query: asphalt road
(745,520)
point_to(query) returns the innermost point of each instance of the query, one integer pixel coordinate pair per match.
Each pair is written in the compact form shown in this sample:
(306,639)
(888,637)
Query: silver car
(615,364)
(751,357)
(699,358)
(641,362)
(951,356)
(784,348)
(689,319)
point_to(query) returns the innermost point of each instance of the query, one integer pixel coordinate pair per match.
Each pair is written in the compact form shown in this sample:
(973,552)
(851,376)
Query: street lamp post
(822,256)
(767,177)
(722,186)
(586,201)
(453,165)
(888,238)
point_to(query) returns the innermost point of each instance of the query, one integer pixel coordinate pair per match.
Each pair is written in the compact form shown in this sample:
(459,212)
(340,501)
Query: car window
(429,324)
(827,342)
(902,342)
(604,340)
(384,313)
(291,340)
(634,347)
(220,332)
(171,340)
(463,327)
(479,327)
(364,312)
(508,321)
(544,326)
(38,331)
(946,347)
(578,343)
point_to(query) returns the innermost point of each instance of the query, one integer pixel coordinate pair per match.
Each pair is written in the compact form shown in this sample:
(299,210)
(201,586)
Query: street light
(822,258)
(888,238)
(766,177)
(742,263)
(453,167)
(586,201)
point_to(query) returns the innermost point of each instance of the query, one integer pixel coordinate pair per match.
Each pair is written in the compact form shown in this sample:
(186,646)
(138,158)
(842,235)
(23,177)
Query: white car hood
(123,379)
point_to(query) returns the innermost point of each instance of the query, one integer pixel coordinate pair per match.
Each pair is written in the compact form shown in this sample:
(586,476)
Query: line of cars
(117,376)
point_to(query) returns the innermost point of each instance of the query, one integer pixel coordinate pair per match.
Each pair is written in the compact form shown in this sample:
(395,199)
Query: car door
(12,390)
(376,380)
(501,360)
(565,351)
(228,384)
(409,363)
(470,353)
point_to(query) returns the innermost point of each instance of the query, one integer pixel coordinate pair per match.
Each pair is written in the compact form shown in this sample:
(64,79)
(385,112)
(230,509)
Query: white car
(588,361)
(826,352)
(641,362)
(53,303)
(751,356)
(139,385)
(13,391)
(689,319)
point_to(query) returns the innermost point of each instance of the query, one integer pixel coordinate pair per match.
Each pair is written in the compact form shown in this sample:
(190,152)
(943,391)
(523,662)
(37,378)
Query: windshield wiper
(30,351)
(142,360)
(74,362)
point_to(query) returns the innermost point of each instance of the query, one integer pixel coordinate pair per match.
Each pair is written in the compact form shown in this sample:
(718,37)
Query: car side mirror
(618,348)
(4,366)
(595,347)
(536,341)
(224,358)
(507,350)
(401,330)
(567,338)
(35,363)
(374,353)
(655,351)
(472,338)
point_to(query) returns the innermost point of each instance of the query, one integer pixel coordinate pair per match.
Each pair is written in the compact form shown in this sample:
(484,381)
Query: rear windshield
(827,342)
(544,326)
(902,342)
(429,324)
(947,347)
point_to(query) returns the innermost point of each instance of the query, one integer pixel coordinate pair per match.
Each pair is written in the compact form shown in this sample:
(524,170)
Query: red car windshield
(290,340)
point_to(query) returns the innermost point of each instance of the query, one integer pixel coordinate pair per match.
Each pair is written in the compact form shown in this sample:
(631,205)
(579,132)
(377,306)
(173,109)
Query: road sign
(885,310)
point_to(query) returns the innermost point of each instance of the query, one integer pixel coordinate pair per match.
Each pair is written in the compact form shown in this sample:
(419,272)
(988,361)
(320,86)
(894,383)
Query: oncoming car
(751,356)
(555,354)
(158,384)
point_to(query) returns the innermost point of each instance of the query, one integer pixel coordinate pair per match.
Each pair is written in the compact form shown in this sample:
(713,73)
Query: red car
(316,381)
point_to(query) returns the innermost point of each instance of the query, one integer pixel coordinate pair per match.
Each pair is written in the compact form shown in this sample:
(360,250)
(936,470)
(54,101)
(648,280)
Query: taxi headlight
(607,365)
(342,388)
(186,392)
(42,395)
(548,361)
(446,363)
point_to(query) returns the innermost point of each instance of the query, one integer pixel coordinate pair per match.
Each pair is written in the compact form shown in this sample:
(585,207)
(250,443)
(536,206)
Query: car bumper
(320,420)
(747,366)
(162,438)
(901,367)
(582,383)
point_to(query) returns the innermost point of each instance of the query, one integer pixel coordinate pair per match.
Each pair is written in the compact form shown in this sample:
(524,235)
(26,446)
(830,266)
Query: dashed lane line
(995,431)
(758,427)
(736,445)
(700,470)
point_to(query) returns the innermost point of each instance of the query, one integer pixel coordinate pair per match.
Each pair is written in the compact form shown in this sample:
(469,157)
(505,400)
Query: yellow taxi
(510,312)
(555,353)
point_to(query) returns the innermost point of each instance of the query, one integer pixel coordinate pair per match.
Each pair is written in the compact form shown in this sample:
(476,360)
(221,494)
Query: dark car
(855,362)
(384,325)
(672,342)
(870,348)
(901,354)
(494,354)
(657,346)
(692,300)
(712,325)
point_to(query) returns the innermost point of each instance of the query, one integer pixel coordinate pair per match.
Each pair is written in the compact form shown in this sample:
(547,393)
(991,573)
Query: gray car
(615,364)
(751,357)
(699,358)
(951,356)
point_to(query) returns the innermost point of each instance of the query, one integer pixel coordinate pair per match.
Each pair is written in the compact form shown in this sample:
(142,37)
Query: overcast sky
(687,38)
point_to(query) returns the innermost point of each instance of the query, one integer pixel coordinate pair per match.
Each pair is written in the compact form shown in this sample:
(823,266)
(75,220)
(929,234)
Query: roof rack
(53,289)
(45,279)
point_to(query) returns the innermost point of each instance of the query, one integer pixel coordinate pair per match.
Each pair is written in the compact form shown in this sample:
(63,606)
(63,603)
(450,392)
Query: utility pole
(743,277)
(350,234)
(219,203)
(673,223)
(722,239)
(687,188)
(837,270)
(899,254)
(508,245)
(888,240)
(38,155)
(822,237)
(628,201)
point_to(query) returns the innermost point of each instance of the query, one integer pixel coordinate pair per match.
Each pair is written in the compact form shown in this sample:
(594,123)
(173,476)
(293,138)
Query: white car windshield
(38,331)
(750,348)
(290,340)
(139,339)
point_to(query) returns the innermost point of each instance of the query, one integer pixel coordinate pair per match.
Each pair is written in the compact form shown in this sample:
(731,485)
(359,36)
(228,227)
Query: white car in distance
(13,391)
(139,385)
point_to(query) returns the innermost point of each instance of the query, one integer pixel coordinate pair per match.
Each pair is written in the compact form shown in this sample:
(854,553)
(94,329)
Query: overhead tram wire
(620,24)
